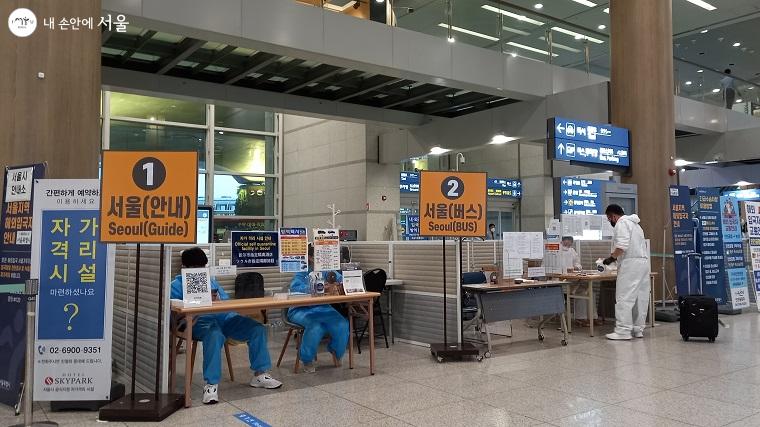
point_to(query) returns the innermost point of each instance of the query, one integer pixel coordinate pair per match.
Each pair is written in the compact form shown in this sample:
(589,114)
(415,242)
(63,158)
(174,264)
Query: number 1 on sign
(148,168)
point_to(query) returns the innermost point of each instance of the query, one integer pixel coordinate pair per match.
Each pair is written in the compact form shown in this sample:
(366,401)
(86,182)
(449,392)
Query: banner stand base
(453,351)
(36,423)
(142,407)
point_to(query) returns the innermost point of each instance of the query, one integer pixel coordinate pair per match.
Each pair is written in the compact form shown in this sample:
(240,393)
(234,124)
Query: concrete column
(642,100)
(55,117)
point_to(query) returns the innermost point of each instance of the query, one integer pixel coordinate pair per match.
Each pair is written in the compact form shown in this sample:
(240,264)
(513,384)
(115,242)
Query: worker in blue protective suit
(320,320)
(214,329)
(633,284)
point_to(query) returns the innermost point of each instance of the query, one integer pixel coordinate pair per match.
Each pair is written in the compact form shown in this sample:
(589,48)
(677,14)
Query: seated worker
(570,261)
(214,329)
(320,320)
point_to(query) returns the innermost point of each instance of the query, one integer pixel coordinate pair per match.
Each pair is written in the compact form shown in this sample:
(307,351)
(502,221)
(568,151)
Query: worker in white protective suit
(632,287)
(569,262)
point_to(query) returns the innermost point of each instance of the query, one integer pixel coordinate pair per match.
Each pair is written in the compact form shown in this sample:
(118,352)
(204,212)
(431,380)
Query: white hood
(633,217)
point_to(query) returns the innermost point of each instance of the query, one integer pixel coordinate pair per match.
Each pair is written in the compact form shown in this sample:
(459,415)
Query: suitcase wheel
(712,339)
(685,337)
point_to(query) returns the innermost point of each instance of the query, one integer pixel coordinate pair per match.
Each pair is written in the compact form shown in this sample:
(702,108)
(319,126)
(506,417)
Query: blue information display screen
(580,196)
(579,141)
(503,187)
(409,182)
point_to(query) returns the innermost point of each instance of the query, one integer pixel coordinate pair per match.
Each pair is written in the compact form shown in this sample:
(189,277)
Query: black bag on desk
(699,317)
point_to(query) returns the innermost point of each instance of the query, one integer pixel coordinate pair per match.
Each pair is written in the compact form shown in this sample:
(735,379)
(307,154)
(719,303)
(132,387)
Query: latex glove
(609,260)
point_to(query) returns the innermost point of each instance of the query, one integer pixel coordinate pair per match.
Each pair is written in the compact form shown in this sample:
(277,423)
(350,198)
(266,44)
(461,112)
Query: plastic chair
(374,281)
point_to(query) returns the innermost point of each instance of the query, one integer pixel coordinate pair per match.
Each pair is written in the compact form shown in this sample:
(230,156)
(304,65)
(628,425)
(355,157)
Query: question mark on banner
(75,308)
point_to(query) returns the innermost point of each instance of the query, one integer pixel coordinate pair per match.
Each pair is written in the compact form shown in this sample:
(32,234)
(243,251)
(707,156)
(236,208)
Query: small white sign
(196,287)
(224,261)
(18,184)
(353,282)
(224,270)
(24,237)
(326,249)
(534,272)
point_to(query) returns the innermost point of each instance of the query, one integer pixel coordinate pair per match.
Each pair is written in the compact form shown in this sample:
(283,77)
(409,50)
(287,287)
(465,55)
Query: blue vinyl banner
(687,270)
(733,252)
(72,276)
(12,346)
(711,244)
(255,248)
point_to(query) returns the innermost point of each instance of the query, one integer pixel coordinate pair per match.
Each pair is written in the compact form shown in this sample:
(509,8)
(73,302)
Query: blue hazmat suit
(214,329)
(318,321)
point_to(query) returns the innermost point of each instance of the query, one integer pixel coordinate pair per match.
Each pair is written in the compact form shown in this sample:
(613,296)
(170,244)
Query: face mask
(492,229)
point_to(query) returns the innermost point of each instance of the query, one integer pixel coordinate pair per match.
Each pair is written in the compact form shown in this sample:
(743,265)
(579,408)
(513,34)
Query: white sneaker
(210,395)
(638,334)
(265,381)
(617,336)
(309,368)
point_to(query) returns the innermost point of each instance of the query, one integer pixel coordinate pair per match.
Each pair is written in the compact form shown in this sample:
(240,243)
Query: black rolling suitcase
(699,317)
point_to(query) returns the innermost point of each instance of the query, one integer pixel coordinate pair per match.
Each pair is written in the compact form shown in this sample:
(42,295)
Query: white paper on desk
(513,268)
(196,287)
(353,282)
(224,270)
(534,272)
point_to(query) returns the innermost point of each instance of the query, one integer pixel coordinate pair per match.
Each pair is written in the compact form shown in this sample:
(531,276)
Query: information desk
(588,279)
(497,303)
(253,305)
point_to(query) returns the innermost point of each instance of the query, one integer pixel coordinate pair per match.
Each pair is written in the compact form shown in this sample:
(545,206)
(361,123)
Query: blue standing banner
(710,244)
(687,270)
(733,253)
(255,248)
(16,225)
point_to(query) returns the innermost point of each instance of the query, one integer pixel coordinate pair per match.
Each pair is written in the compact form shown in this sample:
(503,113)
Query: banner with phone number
(74,307)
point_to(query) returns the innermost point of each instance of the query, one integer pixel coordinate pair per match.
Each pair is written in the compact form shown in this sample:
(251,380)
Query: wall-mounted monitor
(204,229)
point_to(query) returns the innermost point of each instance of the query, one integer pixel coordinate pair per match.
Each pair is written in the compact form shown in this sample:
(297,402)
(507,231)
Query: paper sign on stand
(294,245)
(224,270)
(353,282)
(326,249)
(75,302)
(196,287)
(534,272)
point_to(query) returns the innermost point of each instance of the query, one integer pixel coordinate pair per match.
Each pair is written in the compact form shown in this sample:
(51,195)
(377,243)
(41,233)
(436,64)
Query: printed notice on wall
(326,249)
(255,248)
(294,246)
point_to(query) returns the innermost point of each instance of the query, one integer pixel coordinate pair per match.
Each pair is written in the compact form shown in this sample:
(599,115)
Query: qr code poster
(196,287)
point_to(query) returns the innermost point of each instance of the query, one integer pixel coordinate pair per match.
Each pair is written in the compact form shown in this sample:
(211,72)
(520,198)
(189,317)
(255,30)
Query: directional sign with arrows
(580,196)
(585,142)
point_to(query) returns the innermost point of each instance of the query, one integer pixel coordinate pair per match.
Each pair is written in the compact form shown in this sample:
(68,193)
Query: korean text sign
(149,196)
(733,252)
(453,204)
(294,245)
(711,244)
(73,342)
(683,240)
(752,215)
(255,248)
(16,225)
(326,249)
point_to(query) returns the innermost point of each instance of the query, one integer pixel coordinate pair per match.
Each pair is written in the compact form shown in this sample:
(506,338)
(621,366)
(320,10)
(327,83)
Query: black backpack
(249,285)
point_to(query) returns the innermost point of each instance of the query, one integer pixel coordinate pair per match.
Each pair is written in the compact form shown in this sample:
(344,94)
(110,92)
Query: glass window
(201,188)
(241,195)
(143,136)
(223,225)
(150,108)
(241,118)
(243,154)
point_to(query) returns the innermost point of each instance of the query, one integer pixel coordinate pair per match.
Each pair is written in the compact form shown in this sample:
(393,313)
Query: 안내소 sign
(453,204)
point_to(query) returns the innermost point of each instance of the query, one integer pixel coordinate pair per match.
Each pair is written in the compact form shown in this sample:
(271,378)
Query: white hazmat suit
(632,287)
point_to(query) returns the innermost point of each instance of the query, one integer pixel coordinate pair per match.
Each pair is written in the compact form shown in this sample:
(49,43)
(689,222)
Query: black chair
(251,285)
(469,305)
(374,281)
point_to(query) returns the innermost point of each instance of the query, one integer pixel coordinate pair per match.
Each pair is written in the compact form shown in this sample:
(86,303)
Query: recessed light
(703,4)
(576,35)
(683,170)
(737,44)
(742,183)
(704,31)
(681,162)
(606,10)
(379,1)
(470,32)
(716,90)
(500,138)
(532,49)
(687,83)
(700,71)
(750,88)
(514,55)
(450,39)
(601,26)
(438,150)
(152,118)
(538,6)
(221,132)
(517,16)
(586,3)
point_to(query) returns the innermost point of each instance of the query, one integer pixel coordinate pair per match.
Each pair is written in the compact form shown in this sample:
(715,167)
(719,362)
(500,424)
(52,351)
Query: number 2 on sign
(453,188)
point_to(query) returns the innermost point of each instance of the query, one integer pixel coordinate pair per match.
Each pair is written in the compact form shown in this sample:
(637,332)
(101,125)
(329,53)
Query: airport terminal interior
(380,213)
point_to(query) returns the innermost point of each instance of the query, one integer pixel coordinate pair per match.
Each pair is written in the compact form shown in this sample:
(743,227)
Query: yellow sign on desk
(453,204)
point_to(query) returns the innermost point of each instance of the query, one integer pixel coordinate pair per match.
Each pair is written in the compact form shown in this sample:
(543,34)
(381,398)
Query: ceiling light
(742,183)
(514,55)
(511,15)
(738,100)
(737,44)
(606,10)
(700,71)
(702,4)
(704,31)
(470,32)
(681,163)
(438,150)
(532,49)
(687,82)
(576,35)
(379,1)
(221,132)
(711,162)
(716,90)
(152,118)
(500,138)
(515,30)
(750,88)
(683,170)
(538,6)
(562,46)
(450,39)
(601,26)
(586,3)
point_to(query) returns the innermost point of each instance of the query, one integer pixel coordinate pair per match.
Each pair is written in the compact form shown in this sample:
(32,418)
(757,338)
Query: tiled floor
(657,381)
